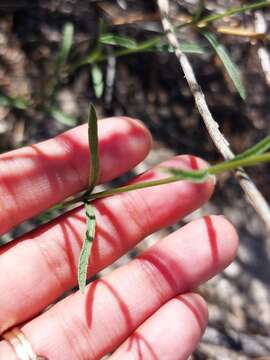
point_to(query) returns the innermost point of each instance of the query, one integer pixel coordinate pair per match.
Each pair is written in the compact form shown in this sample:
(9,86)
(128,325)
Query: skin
(143,310)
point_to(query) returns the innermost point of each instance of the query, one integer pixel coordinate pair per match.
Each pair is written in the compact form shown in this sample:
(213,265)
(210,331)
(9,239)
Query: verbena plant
(255,155)
(125,46)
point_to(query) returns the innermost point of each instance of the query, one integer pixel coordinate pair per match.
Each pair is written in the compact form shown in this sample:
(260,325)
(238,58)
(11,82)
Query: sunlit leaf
(86,248)
(228,63)
(118,40)
(97,78)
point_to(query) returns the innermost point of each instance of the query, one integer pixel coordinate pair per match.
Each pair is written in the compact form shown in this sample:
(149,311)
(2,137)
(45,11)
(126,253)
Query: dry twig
(243,32)
(263,54)
(253,194)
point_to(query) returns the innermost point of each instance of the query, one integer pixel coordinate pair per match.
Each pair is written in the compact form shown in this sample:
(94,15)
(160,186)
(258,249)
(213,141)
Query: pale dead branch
(263,54)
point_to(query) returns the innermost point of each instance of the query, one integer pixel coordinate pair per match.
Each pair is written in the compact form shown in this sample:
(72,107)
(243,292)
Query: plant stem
(97,56)
(237,10)
(119,190)
(212,170)
(237,163)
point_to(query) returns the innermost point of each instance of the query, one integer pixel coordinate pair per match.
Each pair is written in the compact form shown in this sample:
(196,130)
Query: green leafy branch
(89,210)
(131,46)
(128,46)
(253,156)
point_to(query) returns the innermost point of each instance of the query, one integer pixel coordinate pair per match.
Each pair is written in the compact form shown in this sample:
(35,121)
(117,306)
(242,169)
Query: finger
(173,332)
(94,324)
(36,177)
(53,250)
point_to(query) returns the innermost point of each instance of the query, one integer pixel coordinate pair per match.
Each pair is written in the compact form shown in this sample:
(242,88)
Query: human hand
(142,310)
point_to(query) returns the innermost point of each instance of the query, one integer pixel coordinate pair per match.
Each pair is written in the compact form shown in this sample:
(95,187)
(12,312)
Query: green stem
(212,170)
(125,188)
(238,163)
(232,11)
(141,46)
(190,175)
(91,58)
(98,56)
(118,190)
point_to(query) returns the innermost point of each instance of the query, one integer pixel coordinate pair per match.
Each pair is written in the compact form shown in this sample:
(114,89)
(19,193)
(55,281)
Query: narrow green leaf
(257,149)
(61,117)
(93,148)
(61,59)
(86,248)
(196,176)
(65,46)
(188,48)
(193,48)
(229,65)
(90,215)
(199,11)
(118,40)
(14,102)
(97,78)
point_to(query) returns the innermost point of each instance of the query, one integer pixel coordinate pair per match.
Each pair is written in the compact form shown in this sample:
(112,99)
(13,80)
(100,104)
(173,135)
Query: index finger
(36,177)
